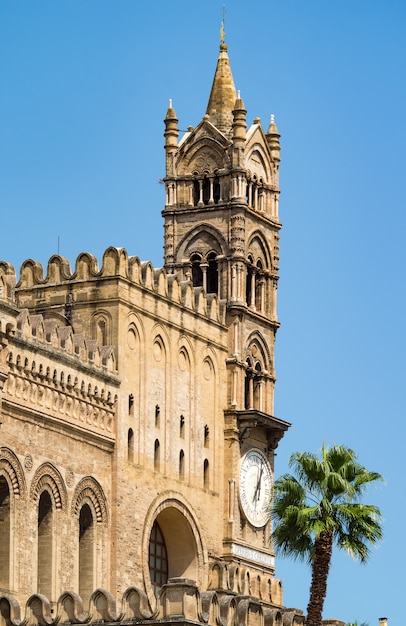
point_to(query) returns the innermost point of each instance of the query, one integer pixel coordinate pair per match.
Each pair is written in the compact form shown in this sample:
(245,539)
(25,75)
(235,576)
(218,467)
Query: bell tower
(221,234)
(222,192)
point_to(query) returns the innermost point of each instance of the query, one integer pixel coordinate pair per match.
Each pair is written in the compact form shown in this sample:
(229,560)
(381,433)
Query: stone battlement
(179,601)
(116,264)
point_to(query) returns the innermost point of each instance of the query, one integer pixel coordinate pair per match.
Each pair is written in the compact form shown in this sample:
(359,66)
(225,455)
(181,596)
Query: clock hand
(258,487)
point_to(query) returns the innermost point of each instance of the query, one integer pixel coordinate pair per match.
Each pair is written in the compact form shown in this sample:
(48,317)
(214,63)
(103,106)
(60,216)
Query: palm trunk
(323,548)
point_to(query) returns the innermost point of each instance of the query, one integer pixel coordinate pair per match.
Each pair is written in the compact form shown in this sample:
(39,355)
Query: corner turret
(171,137)
(272,139)
(239,131)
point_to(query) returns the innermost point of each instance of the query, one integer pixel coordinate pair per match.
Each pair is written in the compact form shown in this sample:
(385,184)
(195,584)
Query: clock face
(255,487)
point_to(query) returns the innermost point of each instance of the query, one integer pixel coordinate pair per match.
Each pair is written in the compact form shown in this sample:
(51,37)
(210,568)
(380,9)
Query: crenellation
(31,273)
(134,269)
(180,598)
(37,294)
(58,270)
(115,263)
(86,266)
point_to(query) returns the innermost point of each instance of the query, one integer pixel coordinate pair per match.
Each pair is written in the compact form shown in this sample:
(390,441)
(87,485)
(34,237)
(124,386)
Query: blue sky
(84,89)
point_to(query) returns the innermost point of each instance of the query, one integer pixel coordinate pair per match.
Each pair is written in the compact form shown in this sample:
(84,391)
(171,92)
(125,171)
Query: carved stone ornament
(28,462)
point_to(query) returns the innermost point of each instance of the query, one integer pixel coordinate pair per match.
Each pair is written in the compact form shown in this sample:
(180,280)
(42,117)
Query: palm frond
(320,504)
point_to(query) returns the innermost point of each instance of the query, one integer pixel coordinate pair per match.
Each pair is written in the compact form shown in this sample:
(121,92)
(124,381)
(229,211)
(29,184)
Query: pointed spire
(223,94)
(272,137)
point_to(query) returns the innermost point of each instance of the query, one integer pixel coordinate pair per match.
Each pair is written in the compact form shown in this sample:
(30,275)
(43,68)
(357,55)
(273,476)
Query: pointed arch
(100,327)
(11,469)
(257,156)
(136,326)
(258,249)
(256,162)
(259,266)
(89,508)
(185,349)
(203,151)
(89,490)
(202,239)
(257,349)
(48,477)
(257,371)
(158,370)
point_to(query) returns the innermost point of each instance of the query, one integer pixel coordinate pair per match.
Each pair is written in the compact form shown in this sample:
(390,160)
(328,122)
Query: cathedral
(138,434)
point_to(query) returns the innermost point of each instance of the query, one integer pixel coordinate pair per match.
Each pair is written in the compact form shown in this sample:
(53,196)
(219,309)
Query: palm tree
(321,506)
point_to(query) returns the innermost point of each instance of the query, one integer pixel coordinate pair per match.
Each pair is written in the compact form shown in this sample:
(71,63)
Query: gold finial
(222,31)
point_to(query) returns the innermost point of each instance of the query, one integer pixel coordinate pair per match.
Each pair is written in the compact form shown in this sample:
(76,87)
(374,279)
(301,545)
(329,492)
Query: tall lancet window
(212,274)
(197,273)
(45,545)
(4,533)
(86,552)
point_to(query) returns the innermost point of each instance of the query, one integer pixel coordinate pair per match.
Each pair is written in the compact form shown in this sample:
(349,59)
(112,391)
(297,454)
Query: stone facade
(131,395)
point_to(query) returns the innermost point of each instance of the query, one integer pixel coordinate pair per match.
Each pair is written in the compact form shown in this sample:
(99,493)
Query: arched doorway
(173,545)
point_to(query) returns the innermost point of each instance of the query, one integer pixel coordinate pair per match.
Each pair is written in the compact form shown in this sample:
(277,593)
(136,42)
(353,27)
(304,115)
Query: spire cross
(222,31)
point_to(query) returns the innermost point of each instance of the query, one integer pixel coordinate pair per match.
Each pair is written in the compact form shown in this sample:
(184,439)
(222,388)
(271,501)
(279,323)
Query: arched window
(101,332)
(255,285)
(206,474)
(196,192)
(130,445)
(158,558)
(257,387)
(197,273)
(206,435)
(86,552)
(157,460)
(4,533)
(258,287)
(254,193)
(249,281)
(206,190)
(131,404)
(181,465)
(182,426)
(248,392)
(212,273)
(44,546)
(216,189)
(253,385)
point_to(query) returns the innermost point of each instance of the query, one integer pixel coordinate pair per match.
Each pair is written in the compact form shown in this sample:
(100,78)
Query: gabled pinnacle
(223,94)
